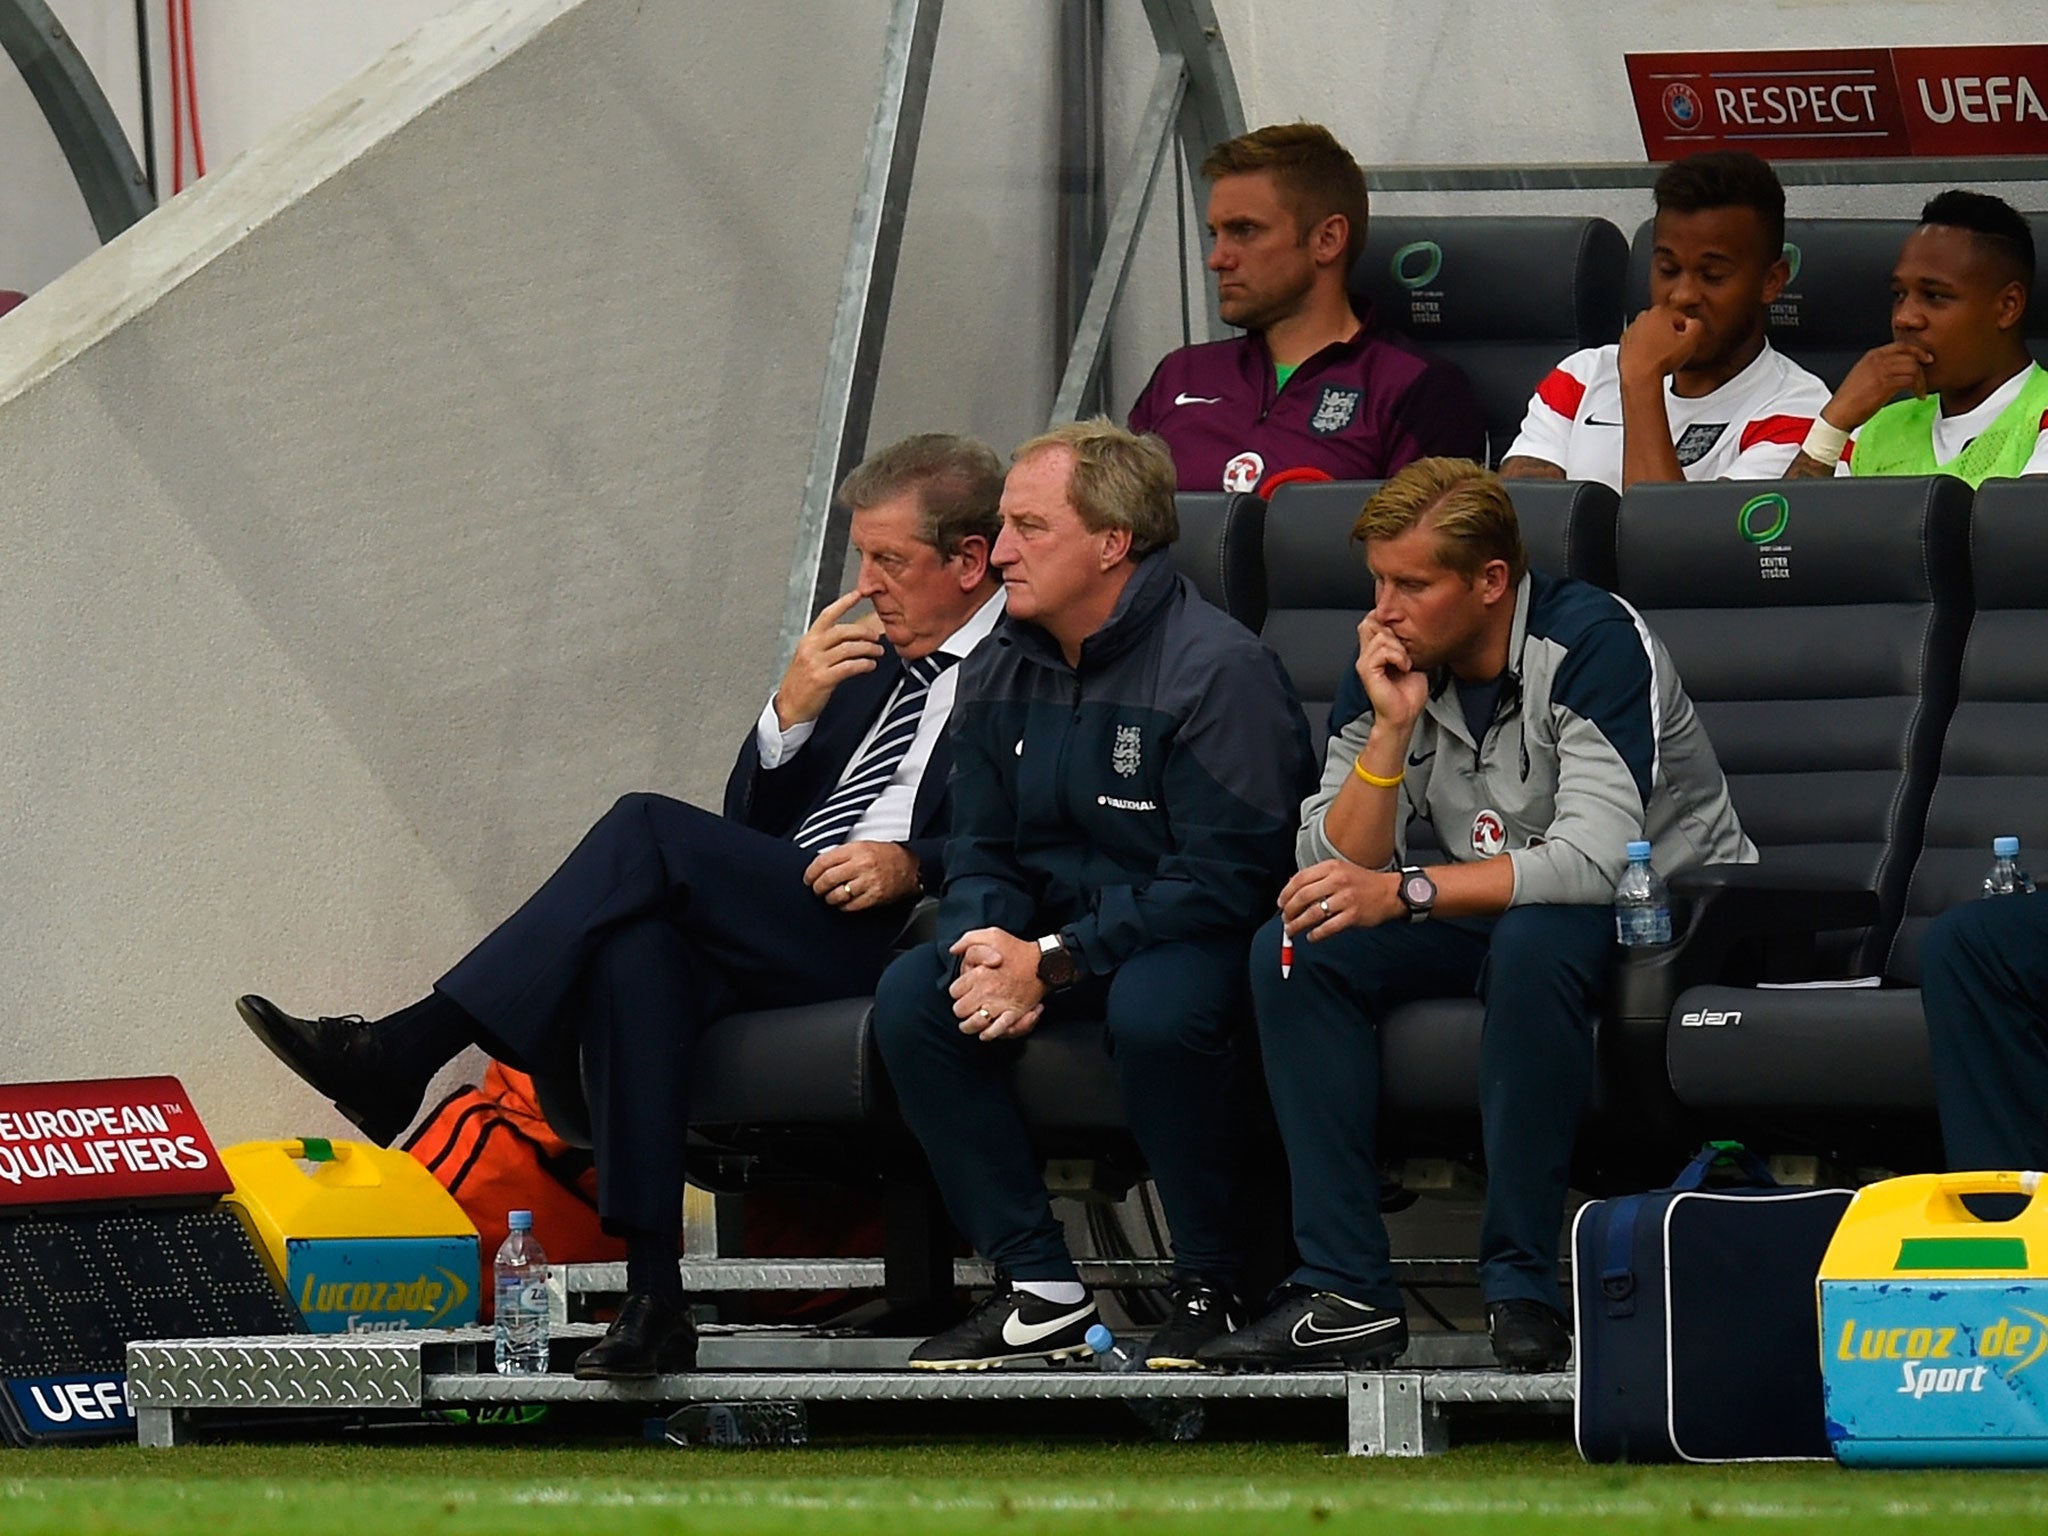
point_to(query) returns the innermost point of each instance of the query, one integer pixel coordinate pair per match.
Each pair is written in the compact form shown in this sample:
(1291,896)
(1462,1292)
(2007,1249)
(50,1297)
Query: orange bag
(494,1151)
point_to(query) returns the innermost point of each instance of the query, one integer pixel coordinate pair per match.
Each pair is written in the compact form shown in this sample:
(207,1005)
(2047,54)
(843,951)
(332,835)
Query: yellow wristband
(1374,779)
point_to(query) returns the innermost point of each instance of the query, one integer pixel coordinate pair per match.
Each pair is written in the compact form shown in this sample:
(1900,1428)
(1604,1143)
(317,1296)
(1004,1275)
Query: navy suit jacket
(776,800)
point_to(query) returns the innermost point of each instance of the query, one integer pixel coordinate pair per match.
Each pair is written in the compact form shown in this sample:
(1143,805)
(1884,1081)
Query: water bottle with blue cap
(1642,907)
(2006,877)
(1170,1418)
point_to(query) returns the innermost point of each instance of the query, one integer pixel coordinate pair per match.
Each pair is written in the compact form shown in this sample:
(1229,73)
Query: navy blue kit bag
(1697,1328)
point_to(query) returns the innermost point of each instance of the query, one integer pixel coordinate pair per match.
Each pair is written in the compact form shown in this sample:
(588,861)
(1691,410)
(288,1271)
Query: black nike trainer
(1309,1329)
(1010,1325)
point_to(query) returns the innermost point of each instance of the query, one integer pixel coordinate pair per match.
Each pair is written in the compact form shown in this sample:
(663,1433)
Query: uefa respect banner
(1844,103)
(125,1138)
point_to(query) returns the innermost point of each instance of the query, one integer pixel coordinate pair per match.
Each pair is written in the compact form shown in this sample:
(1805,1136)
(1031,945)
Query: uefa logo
(1683,108)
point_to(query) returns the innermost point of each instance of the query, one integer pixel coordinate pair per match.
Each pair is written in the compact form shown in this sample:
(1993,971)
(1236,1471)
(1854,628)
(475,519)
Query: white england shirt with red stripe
(1748,429)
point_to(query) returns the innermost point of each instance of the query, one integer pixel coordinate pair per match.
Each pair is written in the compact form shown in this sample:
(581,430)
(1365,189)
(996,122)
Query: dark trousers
(1170,1010)
(665,918)
(1540,971)
(1984,984)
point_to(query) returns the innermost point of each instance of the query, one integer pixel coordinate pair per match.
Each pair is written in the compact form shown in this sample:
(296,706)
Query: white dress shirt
(889,819)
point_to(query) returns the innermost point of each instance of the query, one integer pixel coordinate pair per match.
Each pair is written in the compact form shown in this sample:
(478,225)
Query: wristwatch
(1418,893)
(1057,967)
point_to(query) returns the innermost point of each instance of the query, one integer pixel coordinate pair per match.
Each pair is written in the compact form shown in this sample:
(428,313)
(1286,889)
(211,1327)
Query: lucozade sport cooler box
(1934,1325)
(364,1237)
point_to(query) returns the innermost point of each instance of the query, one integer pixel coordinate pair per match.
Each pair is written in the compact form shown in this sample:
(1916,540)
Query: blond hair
(1467,506)
(1120,480)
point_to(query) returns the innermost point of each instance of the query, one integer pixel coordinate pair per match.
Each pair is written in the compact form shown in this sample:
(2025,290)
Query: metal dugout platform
(180,1388)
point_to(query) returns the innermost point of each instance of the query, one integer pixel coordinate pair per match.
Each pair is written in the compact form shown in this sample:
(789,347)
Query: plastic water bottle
(1642,907)
(522,1300)
(733,1424)
(2006,877)
(1170,1418)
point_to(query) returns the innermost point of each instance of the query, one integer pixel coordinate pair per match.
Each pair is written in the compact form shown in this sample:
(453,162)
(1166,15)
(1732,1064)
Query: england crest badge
(1127,752)
(1335,409)
(1697,441)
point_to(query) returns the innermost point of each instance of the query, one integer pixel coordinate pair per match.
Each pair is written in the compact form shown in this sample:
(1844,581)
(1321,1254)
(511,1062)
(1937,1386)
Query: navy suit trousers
(1984,984)
(664,919)
(1171,1011)
(1540,971)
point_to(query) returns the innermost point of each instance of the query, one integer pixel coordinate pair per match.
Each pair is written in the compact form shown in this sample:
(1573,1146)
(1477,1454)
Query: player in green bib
(1975,401)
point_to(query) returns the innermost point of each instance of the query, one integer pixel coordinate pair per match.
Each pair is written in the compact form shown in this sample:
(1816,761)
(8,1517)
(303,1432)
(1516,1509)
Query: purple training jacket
(1358,410)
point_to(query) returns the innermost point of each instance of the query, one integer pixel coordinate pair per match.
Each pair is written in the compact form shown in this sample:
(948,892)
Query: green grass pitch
(371,1486)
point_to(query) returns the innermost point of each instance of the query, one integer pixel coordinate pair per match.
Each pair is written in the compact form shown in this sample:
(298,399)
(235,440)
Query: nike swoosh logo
(1594,421)
(1197,399)
(1316,1335)
(1416,761)
(1017,1333)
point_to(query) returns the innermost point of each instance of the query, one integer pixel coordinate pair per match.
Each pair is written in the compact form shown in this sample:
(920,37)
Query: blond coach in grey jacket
(1539,728)
(1593,743)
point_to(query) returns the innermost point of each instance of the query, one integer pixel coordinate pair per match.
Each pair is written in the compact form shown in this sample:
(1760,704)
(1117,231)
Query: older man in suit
(667,917)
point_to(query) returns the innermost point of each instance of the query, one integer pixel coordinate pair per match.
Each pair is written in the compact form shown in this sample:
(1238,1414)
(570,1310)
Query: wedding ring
(984,1013)
(1325,905)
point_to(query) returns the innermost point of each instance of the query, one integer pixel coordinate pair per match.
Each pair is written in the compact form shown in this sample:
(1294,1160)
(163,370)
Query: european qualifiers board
(112,1230)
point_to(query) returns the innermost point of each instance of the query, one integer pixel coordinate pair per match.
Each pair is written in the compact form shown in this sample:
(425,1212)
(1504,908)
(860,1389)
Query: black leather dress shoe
(339,1059)
(652,1336)
(1528,1336)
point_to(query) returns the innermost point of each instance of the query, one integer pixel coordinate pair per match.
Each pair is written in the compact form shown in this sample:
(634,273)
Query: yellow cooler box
(364,1237)
(1933,1325)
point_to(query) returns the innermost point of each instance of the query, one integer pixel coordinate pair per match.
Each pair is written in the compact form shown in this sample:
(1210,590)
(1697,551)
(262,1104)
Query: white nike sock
(1061,1293)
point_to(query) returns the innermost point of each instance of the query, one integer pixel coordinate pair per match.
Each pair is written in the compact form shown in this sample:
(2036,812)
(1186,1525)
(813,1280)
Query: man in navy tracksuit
(1127,766)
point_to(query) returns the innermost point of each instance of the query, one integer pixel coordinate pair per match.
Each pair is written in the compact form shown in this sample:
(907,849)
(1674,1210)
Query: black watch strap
(1057,967)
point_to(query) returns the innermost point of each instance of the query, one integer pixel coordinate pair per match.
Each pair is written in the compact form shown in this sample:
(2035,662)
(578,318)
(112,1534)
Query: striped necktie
(870,772)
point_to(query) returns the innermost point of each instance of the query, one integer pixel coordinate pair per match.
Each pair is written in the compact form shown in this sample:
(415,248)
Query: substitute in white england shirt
(1748,429)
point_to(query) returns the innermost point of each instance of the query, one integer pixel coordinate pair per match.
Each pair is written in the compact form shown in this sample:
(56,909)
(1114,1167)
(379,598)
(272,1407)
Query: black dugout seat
(1568,527)
(1817,626)
(1848,1070)
(1504,298)
(1221,549)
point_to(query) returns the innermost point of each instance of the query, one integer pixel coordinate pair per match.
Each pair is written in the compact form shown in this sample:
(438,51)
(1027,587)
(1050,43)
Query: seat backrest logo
(1763,518)
(1416,264)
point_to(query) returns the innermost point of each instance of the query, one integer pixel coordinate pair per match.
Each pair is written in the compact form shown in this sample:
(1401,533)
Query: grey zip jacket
(1593,744)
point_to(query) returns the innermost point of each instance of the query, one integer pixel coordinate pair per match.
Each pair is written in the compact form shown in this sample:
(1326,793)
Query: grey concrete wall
(377,513)
(259,64)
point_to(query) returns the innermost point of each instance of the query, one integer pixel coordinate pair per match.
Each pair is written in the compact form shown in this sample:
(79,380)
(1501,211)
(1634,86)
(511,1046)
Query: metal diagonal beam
(115,189)
(1212,111)
(1120,241)
(865,286)
(1189,28)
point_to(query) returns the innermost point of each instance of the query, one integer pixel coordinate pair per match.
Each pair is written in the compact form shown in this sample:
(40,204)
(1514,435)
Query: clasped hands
(997,994)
